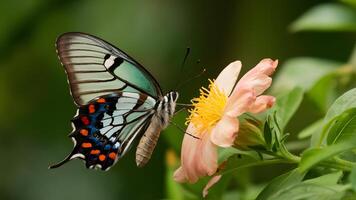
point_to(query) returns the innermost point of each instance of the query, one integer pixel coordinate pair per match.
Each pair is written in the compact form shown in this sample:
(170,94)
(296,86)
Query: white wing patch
(126,103)
(109,62)
(107,121)
(112,131)
(105,129)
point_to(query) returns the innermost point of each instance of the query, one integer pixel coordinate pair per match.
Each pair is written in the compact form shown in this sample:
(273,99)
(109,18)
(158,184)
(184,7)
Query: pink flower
(214,117)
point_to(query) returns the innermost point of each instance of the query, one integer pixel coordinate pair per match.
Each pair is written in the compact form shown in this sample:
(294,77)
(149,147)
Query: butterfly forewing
(96,68)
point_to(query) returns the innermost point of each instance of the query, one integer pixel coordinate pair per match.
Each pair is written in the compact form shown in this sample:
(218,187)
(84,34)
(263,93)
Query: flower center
(208,108)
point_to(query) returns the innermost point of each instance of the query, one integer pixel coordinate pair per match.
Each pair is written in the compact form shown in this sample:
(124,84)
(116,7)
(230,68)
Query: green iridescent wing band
(95,68)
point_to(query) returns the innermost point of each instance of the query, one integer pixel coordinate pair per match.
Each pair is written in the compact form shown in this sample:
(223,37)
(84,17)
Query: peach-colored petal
(225,131)
(239,102)
(180,175)
(198,157)
(258,82)
(258,77)
(262,103)
(227,77)
(265,66)
(211,182)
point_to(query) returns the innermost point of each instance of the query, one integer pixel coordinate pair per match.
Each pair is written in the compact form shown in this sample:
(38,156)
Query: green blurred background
(36,106)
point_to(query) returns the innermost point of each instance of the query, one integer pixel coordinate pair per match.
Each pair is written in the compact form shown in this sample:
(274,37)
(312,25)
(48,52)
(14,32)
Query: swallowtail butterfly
(118,101)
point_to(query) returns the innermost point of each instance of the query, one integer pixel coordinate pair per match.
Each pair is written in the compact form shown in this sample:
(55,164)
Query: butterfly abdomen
(147,144)
(160,120)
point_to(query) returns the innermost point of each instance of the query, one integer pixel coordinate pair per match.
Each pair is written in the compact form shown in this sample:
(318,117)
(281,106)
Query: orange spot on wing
(102,157)
(84,132)
(101,100)
(91,108)
(86,145)
(95,151)
(112,155)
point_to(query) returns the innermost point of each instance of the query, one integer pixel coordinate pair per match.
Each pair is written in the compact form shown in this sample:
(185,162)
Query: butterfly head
(170,100)
(173,96)
(167,106)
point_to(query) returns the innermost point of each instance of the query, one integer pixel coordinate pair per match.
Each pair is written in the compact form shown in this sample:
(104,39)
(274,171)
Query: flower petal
(180,175)
(211,182)
(262,103)
(198,157)
(265,66)
(225,131)
(258,77)
(239,102)
(227,77)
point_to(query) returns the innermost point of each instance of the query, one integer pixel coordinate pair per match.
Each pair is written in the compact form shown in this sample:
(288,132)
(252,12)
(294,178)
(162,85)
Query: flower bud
(250,135)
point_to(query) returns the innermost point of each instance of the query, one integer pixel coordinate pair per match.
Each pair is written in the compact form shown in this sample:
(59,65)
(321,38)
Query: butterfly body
(118,101)
(160,120)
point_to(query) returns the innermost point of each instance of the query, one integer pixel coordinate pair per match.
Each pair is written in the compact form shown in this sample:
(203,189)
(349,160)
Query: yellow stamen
(208,108)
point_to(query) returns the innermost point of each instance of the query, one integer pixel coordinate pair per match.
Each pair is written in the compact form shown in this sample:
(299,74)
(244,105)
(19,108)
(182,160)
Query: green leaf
(341,137)
(268,135)
(293,73)
(286,105)
(311,157)
(311,129)
(225,153)
(323,187)
(326,17)
(240,160)
(341,104)
(323,92)
(278,184)
(312,192)
(343,128)
(352,178)
(328,179)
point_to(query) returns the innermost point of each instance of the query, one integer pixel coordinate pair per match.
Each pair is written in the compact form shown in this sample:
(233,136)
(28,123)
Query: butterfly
(118,101)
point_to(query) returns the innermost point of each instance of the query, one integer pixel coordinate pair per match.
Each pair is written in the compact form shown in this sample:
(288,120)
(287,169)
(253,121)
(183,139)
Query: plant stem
(259,163)
(335,165)
(284,153)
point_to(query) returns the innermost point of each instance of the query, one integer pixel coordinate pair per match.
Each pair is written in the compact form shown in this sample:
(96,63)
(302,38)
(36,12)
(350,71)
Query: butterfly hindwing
(96,68)
(104,129)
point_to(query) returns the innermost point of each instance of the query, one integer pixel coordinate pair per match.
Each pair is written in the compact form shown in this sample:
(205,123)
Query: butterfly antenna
(192,78)
(187,52)
(185,105)
(180,128)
